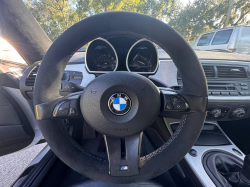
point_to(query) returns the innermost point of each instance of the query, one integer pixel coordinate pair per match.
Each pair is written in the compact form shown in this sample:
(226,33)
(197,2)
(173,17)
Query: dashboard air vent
(231,72)
(30,81)
(209,71)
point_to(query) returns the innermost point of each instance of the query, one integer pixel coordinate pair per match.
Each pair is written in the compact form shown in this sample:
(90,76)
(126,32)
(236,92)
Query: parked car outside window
(233,39)
(205,39)
(222,37)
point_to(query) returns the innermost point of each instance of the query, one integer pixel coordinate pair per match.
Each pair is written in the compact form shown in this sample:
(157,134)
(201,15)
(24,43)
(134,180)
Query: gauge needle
(141,62)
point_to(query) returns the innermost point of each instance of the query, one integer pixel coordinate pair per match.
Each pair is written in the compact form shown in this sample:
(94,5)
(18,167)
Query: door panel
(8,115)
(18,126)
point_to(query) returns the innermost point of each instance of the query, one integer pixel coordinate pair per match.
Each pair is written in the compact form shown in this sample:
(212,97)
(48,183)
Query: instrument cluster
(135,55)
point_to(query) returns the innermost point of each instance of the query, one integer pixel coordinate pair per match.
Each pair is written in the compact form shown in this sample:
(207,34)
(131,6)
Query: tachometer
(101,57)
(142,57)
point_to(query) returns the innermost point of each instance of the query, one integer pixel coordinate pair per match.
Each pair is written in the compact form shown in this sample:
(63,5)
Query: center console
(228,89)
(214,141)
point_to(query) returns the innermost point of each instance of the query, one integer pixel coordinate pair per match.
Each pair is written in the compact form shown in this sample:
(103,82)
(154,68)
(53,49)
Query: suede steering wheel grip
(194,93)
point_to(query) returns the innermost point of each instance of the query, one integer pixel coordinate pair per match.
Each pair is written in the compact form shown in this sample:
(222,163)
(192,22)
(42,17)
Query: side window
(245,35)
(222,37)
(205,39)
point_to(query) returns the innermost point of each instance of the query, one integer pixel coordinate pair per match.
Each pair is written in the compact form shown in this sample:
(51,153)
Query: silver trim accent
(107,149)
(196,162)
(158,62)
(235,70)
(86,64)
(228,98)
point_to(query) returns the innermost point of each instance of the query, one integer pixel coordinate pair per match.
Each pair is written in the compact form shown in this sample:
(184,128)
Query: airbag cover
(144,97)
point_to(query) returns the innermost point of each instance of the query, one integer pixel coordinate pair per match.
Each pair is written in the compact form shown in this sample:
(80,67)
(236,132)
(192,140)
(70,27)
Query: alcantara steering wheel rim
(194,93)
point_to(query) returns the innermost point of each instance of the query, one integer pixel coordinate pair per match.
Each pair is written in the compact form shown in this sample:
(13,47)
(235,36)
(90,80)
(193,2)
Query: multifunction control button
(174,103)
(63,109)
(67,109)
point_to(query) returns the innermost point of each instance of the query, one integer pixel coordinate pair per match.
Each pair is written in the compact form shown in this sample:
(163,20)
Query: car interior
(138,107)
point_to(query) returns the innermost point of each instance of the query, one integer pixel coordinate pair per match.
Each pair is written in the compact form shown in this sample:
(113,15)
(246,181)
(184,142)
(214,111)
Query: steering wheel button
(64,106)
(63,109)
(169,106)
(179,106)
(175,99)
(72,112)
(61,113)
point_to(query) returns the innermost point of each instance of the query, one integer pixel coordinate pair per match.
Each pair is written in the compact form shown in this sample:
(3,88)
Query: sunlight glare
(7,52)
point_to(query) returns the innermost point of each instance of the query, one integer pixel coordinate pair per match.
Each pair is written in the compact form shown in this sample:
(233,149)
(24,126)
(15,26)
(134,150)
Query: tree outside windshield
(192,19)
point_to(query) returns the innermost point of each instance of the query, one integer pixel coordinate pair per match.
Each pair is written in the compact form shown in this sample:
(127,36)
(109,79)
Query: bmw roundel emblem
(119,103)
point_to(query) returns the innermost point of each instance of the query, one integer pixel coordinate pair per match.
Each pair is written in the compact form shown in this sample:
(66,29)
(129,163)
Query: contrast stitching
(79,147)
(164,146)
(147,157)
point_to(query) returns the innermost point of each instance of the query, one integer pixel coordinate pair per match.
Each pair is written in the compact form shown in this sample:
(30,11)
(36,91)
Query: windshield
(207,25)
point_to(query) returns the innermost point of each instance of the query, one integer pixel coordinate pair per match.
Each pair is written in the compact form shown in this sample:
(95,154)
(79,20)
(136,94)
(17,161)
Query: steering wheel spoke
(123,155)
(64,107)
(175,104)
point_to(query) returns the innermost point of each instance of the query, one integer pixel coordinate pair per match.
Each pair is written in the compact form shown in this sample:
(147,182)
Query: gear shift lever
(228,170)
(245,171)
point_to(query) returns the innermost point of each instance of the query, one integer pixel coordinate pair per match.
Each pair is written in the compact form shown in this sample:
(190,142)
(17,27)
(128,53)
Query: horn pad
(120,104)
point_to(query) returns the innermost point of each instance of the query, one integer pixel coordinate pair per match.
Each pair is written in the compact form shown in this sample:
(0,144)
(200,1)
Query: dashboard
(121,53)
(228,80)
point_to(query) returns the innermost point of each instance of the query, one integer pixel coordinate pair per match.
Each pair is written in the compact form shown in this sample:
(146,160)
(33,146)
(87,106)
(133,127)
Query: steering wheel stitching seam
(78,146)
(159,150)
(165,145)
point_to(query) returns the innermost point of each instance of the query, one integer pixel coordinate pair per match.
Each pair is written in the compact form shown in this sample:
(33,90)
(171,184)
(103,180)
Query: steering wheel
(144,102)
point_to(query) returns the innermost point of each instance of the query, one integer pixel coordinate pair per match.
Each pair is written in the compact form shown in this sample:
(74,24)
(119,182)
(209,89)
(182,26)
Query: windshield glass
(207,25)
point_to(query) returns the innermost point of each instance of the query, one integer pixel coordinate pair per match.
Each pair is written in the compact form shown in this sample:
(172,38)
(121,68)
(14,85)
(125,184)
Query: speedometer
(101,57)
(142,57)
